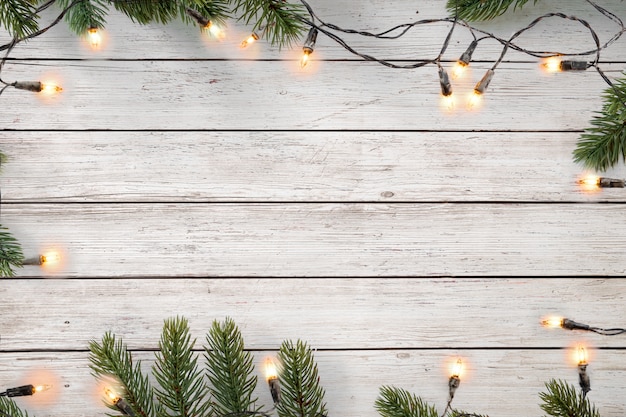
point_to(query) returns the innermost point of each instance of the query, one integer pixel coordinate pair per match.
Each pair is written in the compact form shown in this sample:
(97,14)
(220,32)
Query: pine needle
(562,400)
(11,255)
(9,408)
(301,394)
(473,10)
(18,17)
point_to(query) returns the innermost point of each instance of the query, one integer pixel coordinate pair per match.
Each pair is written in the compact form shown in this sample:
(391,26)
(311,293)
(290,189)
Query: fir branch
(301,394)
(283,22)
(458,413)
(19,17)
(11,255)
(148,11)
(230,370)
(111,358)
(604,143)
(398,402)
(562,400)
(9,408)
(182,386)
(85,14)
(473,10)
(216,11)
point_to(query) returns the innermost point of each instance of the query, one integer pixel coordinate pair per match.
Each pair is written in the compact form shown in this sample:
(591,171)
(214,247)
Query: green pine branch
(301,394)
(111,359)
(85,14)
(282,22)
(19,17)
(216,11)
(562,400)
(473,10)
(230,370)
(458,413)
(9,408)
(398,402)
(182,384)
(604,143)
(11,255)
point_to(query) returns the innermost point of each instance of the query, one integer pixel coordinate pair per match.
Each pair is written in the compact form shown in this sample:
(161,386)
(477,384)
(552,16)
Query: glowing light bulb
(93,37)
(42,388)
(119,402)
(581,355)
(602,182)
(214,30)
(111,395)
(308,47)
(250,40)
(448,102)
(456,368)
(50,88)
(458,70)
(552,64)
(50,258)
(475,100)
(552,322)
(271,374)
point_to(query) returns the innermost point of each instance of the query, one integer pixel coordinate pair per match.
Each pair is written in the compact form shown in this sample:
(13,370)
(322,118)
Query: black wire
(607,332)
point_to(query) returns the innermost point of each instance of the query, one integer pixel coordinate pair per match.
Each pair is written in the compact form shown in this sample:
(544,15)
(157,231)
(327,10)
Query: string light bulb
(455,378)
(446,89)
(94,37)
(464,60)
(119,402)
(49,258)
(602,182)
(37,87)
(205,24)
(479,89)
(271,374)
(552,322)
(554,64)
(249,40)
(308,47)
(25,390)
(583,377)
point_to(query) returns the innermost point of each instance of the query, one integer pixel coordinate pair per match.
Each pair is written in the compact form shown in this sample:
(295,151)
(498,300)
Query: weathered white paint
(295,166)
(371,179)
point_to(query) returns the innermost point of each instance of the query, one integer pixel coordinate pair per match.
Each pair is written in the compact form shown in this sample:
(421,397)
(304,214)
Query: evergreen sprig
(85,14)
(562,400)
(281,21)
(230,370)
(217,11)
(9,408)
(398,402)
(182,389)
(473,10)
(18,17)
(604,143)
(301,393)
(111,359)
(11,255)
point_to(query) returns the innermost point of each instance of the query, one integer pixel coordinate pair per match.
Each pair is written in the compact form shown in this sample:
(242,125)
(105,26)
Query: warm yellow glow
(270,369)
(41,388)
(305,59)
(590,180)
(456,369)
(111,395)
(458,70)
(448,102)
(94,38)
(50,88)
(581,355)
(475,100)
(50,258)
(251,39)
(552,64)
(215,31)
(552,322)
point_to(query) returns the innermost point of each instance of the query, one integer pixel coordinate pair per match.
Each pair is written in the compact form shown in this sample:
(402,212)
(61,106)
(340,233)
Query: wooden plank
(498,383)
(124,40)
(246,95)
(294,166)
(131,240)
(329,313)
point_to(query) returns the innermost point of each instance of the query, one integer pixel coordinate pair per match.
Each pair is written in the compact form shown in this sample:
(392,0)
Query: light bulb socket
(444,81)
(572,325)
(573,65)
(36,260)
(310,40)
(124,407)
(610,183)
(21,391)
(583,378)
(453,384)
(274,389)
(34,86)
(466,57)
(482,85)
(198,17)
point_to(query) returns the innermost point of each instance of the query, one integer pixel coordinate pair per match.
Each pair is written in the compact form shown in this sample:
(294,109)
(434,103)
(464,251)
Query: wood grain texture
(294,166)
(494,381)
(323,239)
(259,95)
(345,314)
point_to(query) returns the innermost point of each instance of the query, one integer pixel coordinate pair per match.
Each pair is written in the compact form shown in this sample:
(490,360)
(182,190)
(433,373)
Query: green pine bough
(224,387)
(11,255)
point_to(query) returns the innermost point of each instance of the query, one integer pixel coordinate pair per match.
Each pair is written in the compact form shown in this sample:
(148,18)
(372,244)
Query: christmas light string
(565,323)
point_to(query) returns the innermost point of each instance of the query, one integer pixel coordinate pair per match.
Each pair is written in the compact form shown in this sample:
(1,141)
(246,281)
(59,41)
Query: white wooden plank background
(164,199)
